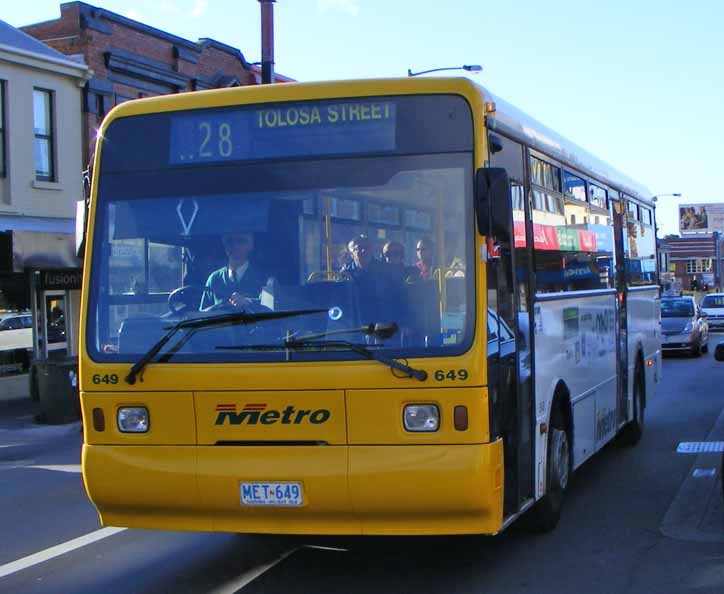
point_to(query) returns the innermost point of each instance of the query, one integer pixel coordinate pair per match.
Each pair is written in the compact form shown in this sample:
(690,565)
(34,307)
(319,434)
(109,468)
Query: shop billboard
(701,218)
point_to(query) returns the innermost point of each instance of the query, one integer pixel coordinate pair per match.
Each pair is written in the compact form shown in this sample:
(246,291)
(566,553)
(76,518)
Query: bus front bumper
(380,490)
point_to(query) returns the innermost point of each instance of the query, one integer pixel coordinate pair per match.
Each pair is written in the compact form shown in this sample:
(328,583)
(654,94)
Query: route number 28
(453,375)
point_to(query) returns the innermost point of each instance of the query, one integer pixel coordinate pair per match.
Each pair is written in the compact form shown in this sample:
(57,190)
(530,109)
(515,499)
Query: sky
(639,83)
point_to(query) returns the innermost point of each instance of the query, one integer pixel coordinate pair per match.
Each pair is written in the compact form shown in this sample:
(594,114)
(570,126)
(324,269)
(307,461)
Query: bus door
(617,208)
(509,340)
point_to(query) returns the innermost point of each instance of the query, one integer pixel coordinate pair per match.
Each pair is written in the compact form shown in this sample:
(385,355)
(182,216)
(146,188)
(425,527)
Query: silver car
(683,328)
(712,306)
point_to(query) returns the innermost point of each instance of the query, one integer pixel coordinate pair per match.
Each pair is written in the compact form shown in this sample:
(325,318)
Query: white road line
(321,548)
(249,576)
(12,445)
(57,550)
(74,468)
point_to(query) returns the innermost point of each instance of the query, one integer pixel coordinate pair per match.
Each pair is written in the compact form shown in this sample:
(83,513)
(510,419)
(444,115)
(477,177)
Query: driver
(239,281)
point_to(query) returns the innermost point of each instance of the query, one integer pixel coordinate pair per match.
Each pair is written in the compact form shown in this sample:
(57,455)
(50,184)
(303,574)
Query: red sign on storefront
(545,237)
(587,240)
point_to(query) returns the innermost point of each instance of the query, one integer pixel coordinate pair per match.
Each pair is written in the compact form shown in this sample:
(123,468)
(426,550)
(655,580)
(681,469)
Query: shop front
(40,285)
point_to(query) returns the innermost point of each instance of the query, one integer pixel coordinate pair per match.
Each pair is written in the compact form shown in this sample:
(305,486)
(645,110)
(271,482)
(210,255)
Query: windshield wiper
(317,341)
(218,321)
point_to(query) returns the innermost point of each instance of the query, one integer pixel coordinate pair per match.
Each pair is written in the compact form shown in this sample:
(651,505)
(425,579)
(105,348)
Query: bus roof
(510,120)
(507,119)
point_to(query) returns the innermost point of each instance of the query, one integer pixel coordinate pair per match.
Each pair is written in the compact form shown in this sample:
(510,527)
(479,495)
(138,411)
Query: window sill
(44,185)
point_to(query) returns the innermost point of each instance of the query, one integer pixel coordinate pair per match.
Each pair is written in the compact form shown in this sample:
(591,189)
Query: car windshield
(676,308)
(368,239)
(713,301)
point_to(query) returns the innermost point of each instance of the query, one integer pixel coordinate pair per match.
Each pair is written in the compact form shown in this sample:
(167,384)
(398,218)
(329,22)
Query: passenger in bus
(425,255)
(360,249)
(239,281)
(393,253)
(380,292)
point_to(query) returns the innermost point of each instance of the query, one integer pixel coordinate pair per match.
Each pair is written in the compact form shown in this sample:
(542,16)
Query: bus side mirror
(492,203)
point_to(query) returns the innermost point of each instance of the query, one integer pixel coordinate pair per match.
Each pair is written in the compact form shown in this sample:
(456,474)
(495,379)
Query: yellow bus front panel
(173,421)
(376,416)
(230,418)
(346,490)
(145,486)
(321,470)
(427,489)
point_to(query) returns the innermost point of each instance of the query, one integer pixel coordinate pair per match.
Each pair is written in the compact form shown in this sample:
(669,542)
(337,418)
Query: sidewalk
(17,421)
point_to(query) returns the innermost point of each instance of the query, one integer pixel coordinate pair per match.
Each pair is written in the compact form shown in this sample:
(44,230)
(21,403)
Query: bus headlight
(133,419)
(421,417)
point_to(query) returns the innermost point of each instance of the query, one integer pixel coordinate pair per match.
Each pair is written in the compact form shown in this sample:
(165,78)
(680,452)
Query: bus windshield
(366,239)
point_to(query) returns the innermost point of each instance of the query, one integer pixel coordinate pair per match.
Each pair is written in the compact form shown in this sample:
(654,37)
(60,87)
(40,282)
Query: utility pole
(267,41)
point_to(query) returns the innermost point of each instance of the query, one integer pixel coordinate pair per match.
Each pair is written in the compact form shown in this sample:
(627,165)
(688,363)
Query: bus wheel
(632,432)
(547,511)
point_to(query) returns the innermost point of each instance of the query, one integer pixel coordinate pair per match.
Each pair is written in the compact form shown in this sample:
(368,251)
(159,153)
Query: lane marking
(703,472)
(249,576)
(15,464)
(57,550)
(74,468)
(13,445)
(700,447)
(321,548)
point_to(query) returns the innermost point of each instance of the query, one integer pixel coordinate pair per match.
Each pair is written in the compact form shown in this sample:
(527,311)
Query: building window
(698,266)
(599,197)
(3,170)
(574,186)
(633,211)
(545,175)
(43,128)
(646,217)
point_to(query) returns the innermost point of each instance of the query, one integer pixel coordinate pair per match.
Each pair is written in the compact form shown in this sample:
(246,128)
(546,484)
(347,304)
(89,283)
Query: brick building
(695,257)
(130,60)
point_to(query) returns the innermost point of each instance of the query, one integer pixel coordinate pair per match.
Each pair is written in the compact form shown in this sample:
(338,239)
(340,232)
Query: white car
(712,306)
(16,332)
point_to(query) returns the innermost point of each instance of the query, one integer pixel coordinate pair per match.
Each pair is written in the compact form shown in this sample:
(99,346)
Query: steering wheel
(184,299)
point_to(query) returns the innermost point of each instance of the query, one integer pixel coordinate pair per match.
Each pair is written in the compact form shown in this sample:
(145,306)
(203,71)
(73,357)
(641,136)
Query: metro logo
(255,414)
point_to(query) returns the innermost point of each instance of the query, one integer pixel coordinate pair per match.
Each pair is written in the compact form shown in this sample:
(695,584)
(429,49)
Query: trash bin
(57,382)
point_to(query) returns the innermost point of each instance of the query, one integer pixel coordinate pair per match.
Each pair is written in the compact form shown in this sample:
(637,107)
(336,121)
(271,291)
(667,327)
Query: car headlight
(421,417)
(133,419)
(688,328)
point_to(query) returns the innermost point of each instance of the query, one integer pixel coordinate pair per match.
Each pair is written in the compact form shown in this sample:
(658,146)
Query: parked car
(712,306)
(16,332)
(683,328)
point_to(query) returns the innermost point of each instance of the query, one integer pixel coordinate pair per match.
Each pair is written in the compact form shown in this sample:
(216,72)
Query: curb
(40,432)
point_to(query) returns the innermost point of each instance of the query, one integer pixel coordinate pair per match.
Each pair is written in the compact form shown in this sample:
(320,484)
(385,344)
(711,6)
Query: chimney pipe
(267,41)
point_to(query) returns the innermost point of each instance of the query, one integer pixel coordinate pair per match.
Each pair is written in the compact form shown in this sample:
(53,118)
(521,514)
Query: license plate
(281,494)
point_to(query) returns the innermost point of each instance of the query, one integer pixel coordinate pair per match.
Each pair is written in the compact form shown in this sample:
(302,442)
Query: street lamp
(474,68)
(654,198)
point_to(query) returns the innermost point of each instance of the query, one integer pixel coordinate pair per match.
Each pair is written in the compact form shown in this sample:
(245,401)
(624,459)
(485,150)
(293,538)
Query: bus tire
(632,432)
(546,512)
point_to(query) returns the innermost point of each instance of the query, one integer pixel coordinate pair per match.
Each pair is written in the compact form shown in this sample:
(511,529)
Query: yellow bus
(361,307)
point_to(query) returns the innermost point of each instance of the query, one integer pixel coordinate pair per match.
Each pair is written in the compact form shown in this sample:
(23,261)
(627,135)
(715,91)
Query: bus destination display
(283,130)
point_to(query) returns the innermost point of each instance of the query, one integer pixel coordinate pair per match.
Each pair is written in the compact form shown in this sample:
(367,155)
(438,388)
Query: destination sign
(299,129)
